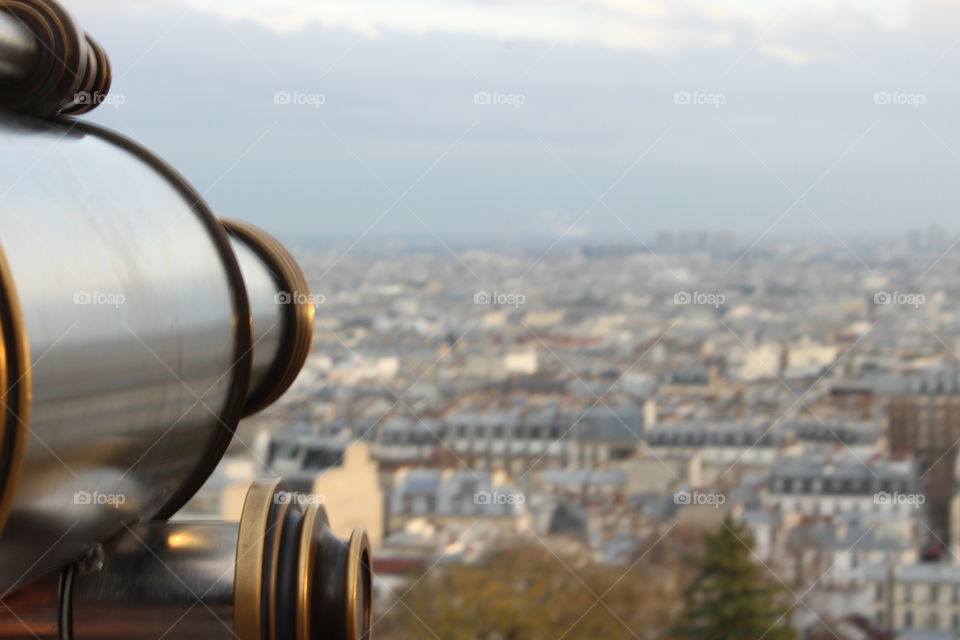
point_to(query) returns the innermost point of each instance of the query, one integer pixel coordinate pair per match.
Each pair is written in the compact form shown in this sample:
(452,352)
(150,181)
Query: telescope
(136,330)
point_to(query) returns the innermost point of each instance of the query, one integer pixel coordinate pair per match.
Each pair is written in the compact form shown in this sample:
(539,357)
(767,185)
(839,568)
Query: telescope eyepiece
(295,578)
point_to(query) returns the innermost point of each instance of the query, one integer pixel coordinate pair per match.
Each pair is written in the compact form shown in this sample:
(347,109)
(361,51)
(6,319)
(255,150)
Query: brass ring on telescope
(62,67)
(104,68)
(359,617)
(15,389)
(256,521)
(85,97)
(243,332)
(334,581)
(98,81)
(298,314)
(305,571)
(273,569)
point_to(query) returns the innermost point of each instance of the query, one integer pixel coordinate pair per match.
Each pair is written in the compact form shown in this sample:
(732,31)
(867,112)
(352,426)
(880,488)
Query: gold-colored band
(305,572)
(275,533)
(359,600)
(299,314)
(248,588)
(97,82)
(15,389)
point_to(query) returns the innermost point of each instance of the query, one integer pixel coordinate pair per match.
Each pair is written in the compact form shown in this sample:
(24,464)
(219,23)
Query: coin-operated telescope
(136,330)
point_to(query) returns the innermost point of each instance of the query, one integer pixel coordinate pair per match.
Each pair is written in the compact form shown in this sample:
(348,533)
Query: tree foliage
(532,594)
(732,596)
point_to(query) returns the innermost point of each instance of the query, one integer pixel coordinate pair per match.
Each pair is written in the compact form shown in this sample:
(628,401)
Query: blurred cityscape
(592,411)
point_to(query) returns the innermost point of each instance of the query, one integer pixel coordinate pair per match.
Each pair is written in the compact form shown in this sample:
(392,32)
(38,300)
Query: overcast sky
(576,117)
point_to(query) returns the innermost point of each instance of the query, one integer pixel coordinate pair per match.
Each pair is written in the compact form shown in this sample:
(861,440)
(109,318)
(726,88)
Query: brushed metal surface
(132,334)
(160,580)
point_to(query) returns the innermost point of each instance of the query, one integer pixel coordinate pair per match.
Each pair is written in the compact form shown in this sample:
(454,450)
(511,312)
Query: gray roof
(432,492)
(825,535)
(584,477)
(422,481)
(935,383)
(604,423)
(759,516)
(926,634)
(698,434)
(848,433)
(842,465)
(938,573)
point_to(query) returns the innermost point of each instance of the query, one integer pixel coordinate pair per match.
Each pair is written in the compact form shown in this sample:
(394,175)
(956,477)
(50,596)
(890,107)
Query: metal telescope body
(136,330)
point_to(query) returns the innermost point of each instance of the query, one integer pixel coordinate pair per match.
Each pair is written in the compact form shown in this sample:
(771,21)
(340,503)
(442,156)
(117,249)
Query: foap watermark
(96,98)
(484,298)
(899,298)
(701,298)
(298,99)
(499,99)
(700,498)
(699,99)
(899,99)
(302,499)
(99,299)
(95,498)
(499,498)
(297,297)
(915,500)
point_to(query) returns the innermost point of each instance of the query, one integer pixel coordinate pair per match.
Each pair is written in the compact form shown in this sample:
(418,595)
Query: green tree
(517,594)
(731,597)
(529,593)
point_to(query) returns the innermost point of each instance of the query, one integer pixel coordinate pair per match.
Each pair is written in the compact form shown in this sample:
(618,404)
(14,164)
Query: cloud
(798,91)
(662,27)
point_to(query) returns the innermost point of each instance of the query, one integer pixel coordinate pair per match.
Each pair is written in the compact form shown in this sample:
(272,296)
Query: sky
(568,119)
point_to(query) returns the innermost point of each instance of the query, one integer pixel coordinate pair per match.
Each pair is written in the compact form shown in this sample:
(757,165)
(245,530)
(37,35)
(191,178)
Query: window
(878,592)
(908,593)
(934,592)
(908,620)
(955,622)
